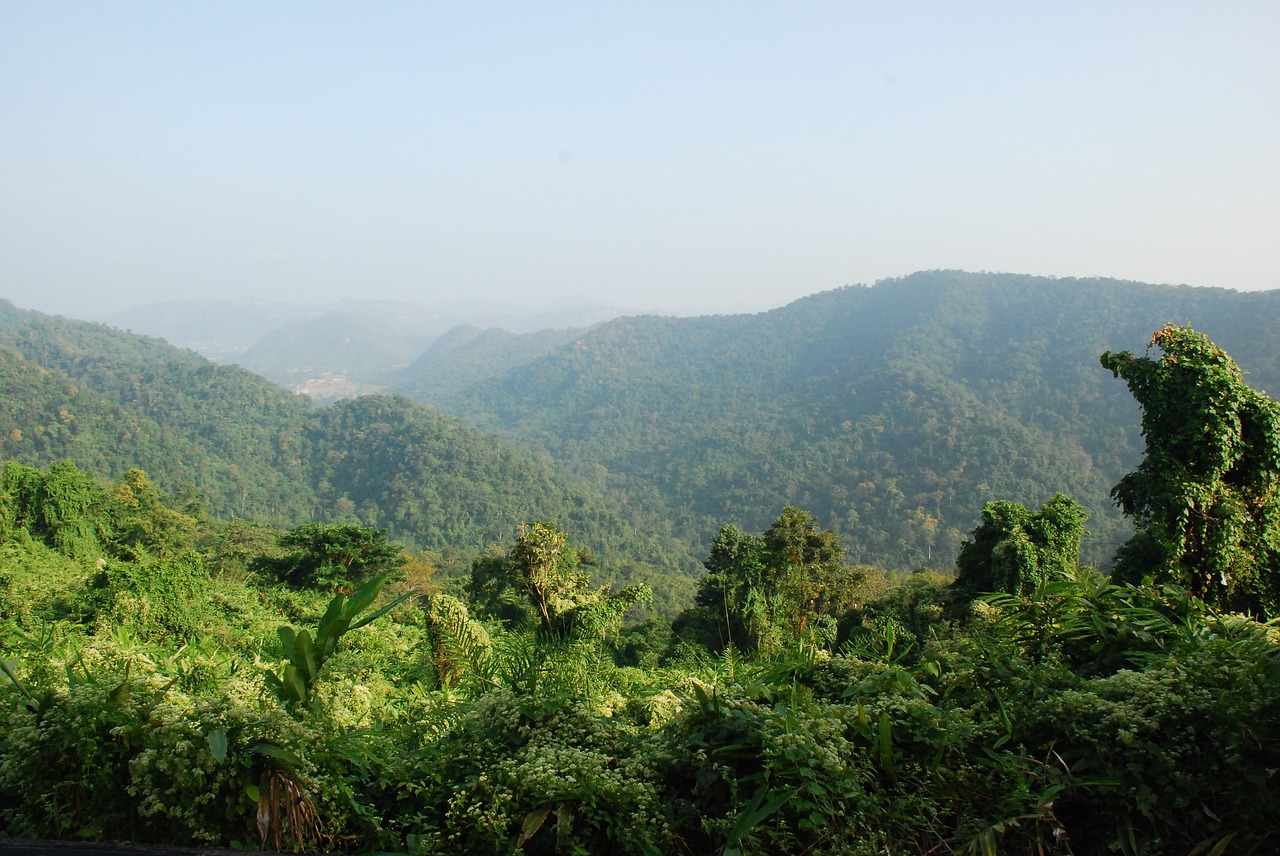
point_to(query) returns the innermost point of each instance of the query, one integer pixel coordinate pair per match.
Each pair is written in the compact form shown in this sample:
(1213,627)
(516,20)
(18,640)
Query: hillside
(110,401)
(893,412)
(467,355)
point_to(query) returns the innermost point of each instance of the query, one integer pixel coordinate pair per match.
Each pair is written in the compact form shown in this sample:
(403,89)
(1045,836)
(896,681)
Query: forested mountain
(893,412)
(111,401)
(467,355)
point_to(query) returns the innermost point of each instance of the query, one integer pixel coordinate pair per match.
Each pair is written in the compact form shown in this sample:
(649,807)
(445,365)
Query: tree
(729,607)
(762,591)
(141,522)
(62,507)
(1206,498)
(544,573)
(333,556)
(815,582)
(1014,550)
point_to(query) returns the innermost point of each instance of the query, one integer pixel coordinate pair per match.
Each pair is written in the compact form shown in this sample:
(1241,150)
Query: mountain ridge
(894,391)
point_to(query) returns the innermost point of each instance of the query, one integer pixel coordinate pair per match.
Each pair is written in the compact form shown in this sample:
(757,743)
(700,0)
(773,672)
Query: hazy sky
(683,157)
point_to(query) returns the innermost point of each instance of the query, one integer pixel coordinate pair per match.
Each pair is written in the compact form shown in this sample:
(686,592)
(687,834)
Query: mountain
(339,350)
(356,348)
(110,401)
(467,355)
(893,412)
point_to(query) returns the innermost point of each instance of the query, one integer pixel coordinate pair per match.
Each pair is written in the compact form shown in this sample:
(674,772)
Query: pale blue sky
(682,157)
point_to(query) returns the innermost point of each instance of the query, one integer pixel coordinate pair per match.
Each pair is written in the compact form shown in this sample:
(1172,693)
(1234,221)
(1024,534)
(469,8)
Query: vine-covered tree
(1015,550)
(62,506)
(1206,498)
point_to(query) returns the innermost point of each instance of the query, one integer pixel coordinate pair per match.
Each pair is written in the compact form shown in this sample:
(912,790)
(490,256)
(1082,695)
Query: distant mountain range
(352,347)
(892,412)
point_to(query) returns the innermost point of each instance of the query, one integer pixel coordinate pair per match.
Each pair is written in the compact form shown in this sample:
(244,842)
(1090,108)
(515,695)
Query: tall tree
(762,591)
(545,572)
(1206,498)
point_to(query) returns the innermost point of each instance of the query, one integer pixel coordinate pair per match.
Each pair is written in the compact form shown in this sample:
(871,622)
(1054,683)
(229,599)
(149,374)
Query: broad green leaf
(218,744)
(304,656)
(886,745)
(294,686)
(532,823)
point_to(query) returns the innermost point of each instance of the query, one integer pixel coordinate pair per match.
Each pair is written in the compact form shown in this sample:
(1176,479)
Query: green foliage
(307,656)
(61,507)
(763,592)
(1082,716)
(1206,498)
(1185,746)
(1015,550)
(329,556)
(461,650)
(64,760)
(769,773)
(140,521)
(544,574)
(157,598)
(80,517)
(1094,625)
(537,776)
(917,607)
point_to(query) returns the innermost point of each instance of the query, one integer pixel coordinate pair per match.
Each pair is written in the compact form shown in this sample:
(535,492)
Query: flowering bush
(542,775)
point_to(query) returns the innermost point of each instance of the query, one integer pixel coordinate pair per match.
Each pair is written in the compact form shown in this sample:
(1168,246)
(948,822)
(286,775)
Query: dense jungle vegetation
(180,676)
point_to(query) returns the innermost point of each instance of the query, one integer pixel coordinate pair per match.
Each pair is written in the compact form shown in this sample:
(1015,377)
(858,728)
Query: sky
(677,157)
